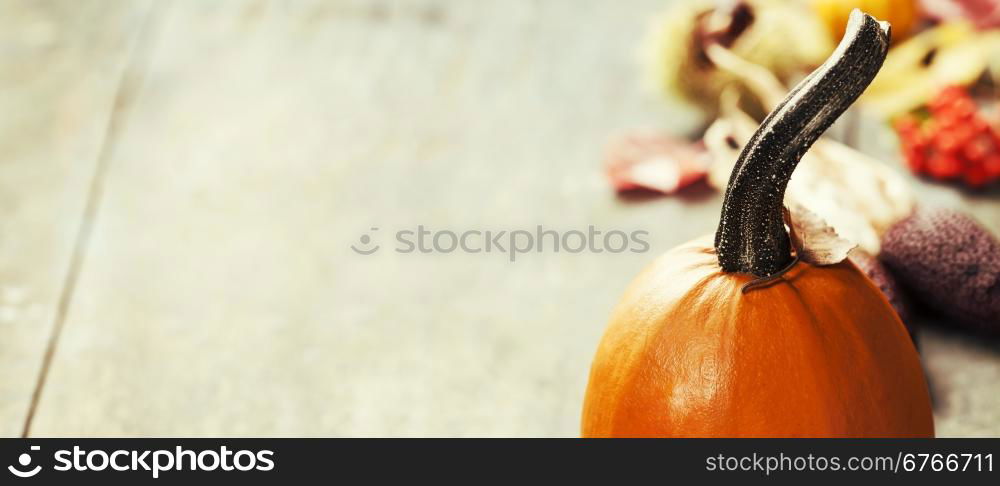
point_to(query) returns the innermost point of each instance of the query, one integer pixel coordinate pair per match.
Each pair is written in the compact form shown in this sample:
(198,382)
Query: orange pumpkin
(803,350)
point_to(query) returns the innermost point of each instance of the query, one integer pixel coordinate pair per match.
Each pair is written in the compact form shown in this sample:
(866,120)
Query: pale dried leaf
(655,161)
(815,241)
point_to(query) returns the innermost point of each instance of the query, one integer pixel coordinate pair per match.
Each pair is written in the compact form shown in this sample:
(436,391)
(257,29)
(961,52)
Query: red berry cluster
(952,140)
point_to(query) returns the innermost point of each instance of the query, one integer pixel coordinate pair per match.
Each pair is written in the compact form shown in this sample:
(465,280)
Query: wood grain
(219,294)
(257,141)
(60,68)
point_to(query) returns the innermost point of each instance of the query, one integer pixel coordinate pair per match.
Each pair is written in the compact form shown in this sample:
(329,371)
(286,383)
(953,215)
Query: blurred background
(181,184)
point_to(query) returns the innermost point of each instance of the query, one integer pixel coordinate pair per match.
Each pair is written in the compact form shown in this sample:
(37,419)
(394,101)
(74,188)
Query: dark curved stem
(768,280)
(751,237)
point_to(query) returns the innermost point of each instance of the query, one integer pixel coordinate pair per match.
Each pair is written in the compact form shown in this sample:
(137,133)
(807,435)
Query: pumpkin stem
(751,237)
(764,281)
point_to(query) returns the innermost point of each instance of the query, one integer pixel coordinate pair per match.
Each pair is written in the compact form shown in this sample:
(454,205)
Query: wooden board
(257,141)
(60,69)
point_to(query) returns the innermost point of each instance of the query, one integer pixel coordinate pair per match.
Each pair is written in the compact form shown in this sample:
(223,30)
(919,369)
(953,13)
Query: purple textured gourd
(951,262)
(886,282)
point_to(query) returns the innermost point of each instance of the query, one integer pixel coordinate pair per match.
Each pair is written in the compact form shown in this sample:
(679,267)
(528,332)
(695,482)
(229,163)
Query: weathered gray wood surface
(254,142)
(60,67)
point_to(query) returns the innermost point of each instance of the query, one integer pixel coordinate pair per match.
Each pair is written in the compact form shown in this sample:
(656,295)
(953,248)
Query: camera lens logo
(25,460)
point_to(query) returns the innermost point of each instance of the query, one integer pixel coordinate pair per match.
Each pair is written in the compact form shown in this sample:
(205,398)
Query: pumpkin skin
(818,353)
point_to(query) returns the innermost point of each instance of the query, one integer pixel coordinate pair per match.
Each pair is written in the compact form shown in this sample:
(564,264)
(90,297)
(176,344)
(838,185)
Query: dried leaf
(655,161)
(815,241)
(984,14)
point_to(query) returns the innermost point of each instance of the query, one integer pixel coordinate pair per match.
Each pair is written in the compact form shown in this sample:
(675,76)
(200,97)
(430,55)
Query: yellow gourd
(902,14)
